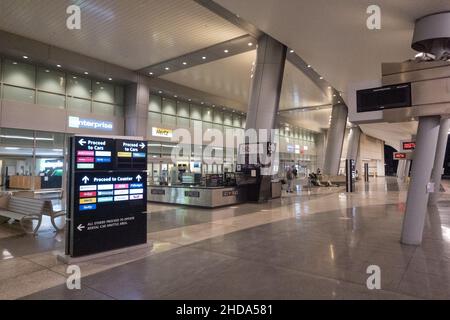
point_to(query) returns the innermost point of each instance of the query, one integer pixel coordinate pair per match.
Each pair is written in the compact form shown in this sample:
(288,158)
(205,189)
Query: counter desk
(207,197)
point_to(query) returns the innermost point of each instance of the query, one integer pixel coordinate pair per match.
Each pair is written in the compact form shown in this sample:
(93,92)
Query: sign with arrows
(93,153)
(107,201)
(131,154)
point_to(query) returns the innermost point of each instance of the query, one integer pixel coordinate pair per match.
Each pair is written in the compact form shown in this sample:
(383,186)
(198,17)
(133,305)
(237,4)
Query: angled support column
(137,97)
(417,201)
(265,93)
(353,143)
(335,139)
(439,158)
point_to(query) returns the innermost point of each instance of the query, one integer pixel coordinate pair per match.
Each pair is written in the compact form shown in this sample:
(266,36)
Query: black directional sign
(93,153)
(131,154)
(107,201)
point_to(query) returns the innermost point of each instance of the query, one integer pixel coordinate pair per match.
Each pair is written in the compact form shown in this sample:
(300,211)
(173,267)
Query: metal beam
(218,51)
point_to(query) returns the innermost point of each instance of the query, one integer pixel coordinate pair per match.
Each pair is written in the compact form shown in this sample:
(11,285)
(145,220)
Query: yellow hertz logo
(164,132)
(160,132)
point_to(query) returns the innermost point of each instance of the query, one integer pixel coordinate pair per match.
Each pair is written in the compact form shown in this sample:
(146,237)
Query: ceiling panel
(231,78)
(332,35)
(132,33)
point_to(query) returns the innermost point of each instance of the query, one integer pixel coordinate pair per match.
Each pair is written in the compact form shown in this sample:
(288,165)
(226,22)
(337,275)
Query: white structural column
(417,201)
(335,139)
(439,160)
(265,93)
(137,97)
(401,168)
(353,143)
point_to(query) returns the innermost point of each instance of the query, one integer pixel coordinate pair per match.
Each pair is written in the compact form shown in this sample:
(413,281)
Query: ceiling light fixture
(226,51)
(110,79)
(167,68)
(25,57)
(309,66)
(150,73)
(204,58)
(250,44)
(159,91)
(58,66)
(14,62)
(86,72)
(184,63)
(321,78)
(291,51)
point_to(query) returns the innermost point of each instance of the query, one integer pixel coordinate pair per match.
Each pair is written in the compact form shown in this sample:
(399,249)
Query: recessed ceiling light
(159,91)
(86,72)
(167,68)
(74,77)
(97,82)
(309,66)
(334,95)
(202,102)
(204,58)
(250,44)
(110,79)
(58,66)
(321,78)
(291,51)
(150,73)
(226,51)
(25,57)
(14,62)
(213,105)
(184,63)
(47,71)
(175,96)
(189,100)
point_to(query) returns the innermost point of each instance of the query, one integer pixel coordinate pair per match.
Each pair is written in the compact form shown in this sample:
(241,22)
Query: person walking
(289,178)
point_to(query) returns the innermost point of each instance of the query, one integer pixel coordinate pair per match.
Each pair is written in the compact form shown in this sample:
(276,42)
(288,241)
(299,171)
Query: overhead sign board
(399,155)
(107,195)
(386,97)
(86,123)
(408,145)
(161,132)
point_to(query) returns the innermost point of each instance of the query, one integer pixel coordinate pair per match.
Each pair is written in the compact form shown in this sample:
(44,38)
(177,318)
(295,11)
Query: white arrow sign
(138,178)
(80,227)
(82,142)
(85,179)
(142,145)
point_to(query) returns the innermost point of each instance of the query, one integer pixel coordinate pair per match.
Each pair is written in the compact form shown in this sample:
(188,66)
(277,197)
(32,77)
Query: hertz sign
(161,132)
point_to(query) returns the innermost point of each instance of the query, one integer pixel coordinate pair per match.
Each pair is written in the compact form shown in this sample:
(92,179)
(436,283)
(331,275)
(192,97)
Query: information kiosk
(107,195)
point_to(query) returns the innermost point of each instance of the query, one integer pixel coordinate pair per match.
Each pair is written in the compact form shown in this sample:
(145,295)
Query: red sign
(399,155)
(409,145)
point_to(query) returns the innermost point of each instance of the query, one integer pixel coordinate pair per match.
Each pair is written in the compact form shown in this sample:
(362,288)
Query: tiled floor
(313,244)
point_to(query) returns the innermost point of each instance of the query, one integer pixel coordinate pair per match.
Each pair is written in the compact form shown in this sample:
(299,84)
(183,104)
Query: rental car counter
(200,196)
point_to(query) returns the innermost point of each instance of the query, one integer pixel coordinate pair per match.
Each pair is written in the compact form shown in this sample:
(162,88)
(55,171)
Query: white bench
(24,209)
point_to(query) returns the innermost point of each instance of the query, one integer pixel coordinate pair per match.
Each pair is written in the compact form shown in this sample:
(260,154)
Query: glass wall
(55,88)
(31,160)
(172,112)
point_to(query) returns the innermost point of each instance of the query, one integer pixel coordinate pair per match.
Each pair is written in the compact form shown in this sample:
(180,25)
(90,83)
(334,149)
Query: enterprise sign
(85,123)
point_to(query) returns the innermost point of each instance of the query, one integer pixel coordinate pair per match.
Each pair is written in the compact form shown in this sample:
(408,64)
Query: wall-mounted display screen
(387,97)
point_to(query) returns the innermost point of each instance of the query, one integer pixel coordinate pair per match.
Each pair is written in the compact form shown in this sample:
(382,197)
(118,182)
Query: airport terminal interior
(224,149)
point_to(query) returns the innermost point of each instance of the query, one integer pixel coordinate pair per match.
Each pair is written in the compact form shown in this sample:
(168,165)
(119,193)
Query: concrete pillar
(407,168)
(439,158)
(265,93)
(417,201)
(401,169)
(137,97)
(335,139)
(353,143)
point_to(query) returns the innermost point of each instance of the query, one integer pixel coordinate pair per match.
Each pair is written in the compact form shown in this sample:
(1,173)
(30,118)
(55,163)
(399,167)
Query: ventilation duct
(432,36)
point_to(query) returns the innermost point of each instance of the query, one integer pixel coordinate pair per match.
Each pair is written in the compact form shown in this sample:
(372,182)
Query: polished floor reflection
(315,244)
